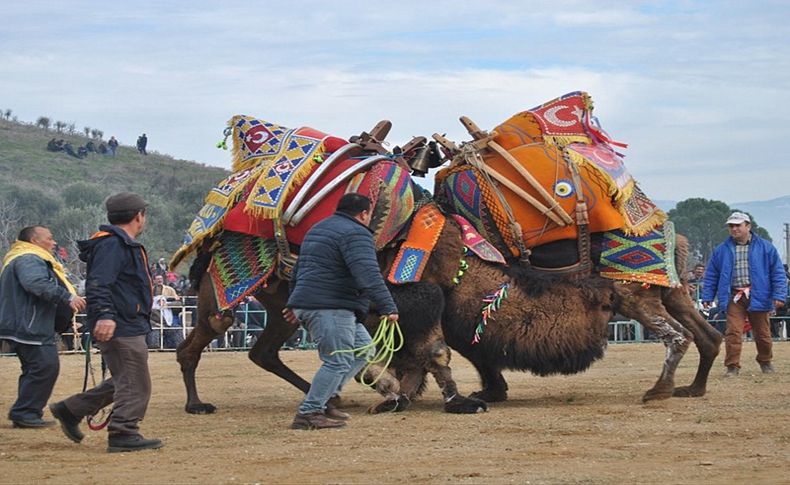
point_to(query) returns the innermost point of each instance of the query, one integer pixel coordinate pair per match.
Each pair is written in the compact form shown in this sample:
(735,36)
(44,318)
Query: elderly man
(33,291)
(745,274)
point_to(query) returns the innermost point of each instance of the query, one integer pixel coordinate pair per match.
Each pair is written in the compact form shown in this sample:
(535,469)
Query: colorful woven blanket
(239,266)
(414,252)
(649,258)
(550,141)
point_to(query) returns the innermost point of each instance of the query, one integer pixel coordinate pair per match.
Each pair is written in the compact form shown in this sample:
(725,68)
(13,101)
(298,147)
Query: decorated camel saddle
(286,180)
(551,178)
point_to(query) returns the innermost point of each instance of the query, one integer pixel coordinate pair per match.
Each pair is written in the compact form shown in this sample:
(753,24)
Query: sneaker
(315,421)
(732,371)
(131,442)
(69,424)
(335,413)
(767,368)
(32,423)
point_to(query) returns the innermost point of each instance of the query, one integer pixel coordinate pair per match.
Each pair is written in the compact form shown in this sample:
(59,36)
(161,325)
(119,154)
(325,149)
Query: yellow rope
(385,342)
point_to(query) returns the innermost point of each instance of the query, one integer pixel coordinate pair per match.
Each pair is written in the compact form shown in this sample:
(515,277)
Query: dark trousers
(40,368)
(129,388)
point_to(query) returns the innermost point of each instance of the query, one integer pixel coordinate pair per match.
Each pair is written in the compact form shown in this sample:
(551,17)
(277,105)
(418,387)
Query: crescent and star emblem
(551,115)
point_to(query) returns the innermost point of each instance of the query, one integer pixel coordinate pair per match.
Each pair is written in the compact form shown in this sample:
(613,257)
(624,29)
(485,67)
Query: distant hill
(66,193)
(770,214)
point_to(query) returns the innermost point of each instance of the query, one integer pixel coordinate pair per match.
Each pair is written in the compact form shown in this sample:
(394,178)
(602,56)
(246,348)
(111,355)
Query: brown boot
(315,421)
(335,413)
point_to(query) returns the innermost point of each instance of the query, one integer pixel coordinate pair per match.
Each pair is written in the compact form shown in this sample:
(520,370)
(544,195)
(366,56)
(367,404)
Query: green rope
(384,342)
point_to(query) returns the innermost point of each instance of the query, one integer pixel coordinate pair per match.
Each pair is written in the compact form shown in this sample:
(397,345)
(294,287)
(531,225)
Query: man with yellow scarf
(33,286)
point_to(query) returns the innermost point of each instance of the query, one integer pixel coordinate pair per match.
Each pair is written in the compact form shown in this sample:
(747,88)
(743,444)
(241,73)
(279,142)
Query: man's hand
(706,305)
(778,303)
(392,317)
(77,303)
(104,330)
(290,316)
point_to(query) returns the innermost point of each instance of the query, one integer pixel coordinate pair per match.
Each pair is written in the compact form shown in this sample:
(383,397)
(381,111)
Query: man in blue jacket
(335,279)
(34,291)
(118,288)
(745,275)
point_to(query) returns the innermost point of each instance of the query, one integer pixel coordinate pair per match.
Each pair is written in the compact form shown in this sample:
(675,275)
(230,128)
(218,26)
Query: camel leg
(644,305)
(706,338)
(386,384)
(188,353)
(266,351)
(494,384)
(454,402)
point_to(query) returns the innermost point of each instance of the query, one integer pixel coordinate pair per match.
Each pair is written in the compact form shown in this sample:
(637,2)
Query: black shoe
(767,368)
(131,442)
(69,424)
(732,371)
(32,423)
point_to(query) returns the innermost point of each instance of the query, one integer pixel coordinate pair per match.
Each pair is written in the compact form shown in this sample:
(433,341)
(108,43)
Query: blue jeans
(332,330)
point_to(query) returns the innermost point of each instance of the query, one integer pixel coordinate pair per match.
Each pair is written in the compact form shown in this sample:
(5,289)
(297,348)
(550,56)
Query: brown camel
(420,306)
(513,343)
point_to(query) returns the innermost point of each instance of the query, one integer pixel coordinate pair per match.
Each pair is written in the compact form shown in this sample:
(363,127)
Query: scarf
(21,248)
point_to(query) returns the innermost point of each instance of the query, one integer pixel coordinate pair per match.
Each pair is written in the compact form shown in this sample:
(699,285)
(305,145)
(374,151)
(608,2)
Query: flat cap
(125,201)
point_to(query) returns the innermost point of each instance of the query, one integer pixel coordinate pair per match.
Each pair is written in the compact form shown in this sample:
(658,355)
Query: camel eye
(563,188)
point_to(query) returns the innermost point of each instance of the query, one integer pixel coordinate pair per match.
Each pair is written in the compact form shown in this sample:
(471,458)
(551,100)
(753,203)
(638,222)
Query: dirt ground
(587,428)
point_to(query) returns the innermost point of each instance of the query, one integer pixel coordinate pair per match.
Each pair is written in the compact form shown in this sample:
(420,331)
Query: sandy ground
(587,428)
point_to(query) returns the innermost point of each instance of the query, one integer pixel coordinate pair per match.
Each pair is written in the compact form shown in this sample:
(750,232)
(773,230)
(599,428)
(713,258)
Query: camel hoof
(488,395)
(688,391)
(201,408)
(465,405)
(656,394)
(401,403)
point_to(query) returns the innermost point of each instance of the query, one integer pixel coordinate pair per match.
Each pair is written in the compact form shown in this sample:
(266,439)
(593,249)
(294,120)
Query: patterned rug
(649,258)
(414,252)
(239,266)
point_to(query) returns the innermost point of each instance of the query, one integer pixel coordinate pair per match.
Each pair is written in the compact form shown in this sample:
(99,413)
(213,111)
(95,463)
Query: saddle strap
(285,259)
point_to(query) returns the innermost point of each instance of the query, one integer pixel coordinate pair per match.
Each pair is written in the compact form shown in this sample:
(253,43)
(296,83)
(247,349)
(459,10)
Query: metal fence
(250,322)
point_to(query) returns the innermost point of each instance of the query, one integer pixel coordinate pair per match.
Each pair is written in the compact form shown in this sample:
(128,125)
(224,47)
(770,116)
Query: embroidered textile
(476,243)
(413,256)
(239,266)
(646,259)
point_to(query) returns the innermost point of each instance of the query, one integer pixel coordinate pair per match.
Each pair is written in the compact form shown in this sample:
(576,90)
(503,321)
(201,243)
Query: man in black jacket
(33,292)
(335,279)
(118,288)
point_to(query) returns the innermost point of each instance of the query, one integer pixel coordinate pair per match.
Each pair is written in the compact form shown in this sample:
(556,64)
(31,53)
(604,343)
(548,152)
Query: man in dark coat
(33,292)
(335,279)
(118,288)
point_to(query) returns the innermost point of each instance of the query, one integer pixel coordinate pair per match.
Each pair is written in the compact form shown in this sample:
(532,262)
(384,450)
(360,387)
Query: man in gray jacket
(33,289)
(335,279)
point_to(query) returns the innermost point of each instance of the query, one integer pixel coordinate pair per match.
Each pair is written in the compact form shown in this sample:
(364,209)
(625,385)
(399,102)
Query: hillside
(66,193)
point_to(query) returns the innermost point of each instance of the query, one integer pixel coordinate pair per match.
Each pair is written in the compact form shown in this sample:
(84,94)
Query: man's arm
(359,254)
(33,275)
(778,279)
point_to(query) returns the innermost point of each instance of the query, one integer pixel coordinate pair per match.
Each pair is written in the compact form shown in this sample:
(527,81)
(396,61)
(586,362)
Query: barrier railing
(250,322)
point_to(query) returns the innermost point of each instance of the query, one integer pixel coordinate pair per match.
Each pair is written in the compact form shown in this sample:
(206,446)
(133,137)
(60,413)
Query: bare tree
(94,133)
(99,134)
(60,126)
(87,131)
(43,122)
(9,220)
(8,114)
(71,128)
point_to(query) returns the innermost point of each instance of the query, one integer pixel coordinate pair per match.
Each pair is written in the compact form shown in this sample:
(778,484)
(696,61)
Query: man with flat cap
(745,274)
(118,289)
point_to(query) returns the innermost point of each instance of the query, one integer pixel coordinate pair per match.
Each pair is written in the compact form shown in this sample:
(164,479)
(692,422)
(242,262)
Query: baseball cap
(738,218)
(125,201)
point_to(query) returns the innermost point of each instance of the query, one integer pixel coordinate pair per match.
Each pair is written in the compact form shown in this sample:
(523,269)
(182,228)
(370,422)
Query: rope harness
(387,340)
(104,420)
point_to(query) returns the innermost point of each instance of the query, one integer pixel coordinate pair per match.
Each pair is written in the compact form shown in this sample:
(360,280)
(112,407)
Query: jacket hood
(86,246)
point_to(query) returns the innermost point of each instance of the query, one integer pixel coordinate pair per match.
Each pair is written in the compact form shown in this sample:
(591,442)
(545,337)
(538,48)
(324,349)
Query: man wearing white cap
(745,274)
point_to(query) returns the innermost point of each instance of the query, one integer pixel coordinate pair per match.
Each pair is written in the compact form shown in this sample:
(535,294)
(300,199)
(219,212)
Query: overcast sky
(699,90)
